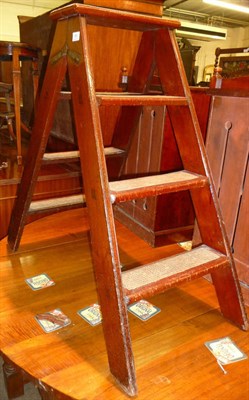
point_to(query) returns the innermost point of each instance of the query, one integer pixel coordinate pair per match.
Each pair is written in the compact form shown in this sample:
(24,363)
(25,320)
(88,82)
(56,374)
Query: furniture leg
(16,85)
(9,118)
(13,378)
(45,392)
(35,75)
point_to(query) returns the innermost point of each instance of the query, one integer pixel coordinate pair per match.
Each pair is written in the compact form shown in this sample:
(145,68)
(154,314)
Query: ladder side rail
(183,119)
(105,255)
(43,123)
(229,295)
(193,154)
(189,139)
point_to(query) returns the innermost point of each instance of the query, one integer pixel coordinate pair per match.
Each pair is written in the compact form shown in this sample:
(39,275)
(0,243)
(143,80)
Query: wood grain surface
(170,356)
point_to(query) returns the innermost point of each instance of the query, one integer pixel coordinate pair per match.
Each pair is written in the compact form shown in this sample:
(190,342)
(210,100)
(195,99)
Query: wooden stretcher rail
(58,204)
(155,185)
(140,100)
(154,278)
(67,156)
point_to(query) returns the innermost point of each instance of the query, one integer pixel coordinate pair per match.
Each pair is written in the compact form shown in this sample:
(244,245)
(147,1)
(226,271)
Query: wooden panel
(145,157)
(228,136)
(241,237)
(6,71)
(227,147)
(202,102)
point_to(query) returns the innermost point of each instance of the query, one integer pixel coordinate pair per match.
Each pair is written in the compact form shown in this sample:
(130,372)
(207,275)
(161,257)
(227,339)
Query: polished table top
(169,350)
(25,51)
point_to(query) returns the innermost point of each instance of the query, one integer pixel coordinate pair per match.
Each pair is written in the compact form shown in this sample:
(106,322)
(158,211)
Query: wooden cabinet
(169,217)
(227,147)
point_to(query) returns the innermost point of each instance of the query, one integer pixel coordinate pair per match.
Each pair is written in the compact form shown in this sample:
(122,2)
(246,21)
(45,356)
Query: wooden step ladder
(158,48)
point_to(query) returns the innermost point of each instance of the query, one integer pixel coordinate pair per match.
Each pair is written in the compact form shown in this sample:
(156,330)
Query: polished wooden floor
(171,359)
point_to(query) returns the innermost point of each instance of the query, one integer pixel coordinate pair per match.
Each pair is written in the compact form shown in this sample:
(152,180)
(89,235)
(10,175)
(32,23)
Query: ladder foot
(130,389)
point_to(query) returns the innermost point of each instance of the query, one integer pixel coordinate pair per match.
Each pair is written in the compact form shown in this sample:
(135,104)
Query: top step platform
(114,18)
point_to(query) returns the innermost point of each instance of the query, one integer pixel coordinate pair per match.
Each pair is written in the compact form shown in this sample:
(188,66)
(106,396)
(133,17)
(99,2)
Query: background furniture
(228,149)
(188,54)
(232,66)
(154,141)
(6,112)
(233,71)
(15,53)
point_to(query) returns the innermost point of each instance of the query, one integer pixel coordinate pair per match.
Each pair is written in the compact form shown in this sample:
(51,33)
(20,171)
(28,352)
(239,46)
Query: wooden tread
(114,18)
(58,204)
(154,278)
(129,189)
(132,99)
(68,156)
(65,95)
(128,99)
(7,114)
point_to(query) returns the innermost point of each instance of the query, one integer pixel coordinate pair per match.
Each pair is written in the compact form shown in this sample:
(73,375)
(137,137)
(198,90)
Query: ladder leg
(194,158)
(43,123)
(225,280)
(229,296)
(104,243)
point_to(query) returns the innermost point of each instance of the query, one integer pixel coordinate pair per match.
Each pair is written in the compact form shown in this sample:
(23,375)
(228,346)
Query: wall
(236,37)
(10,9)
